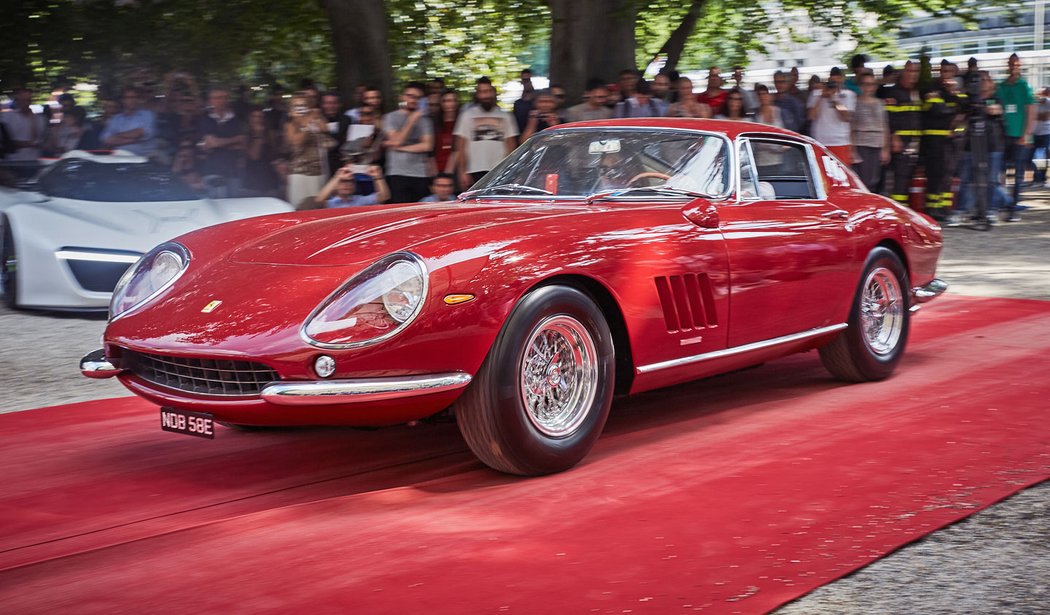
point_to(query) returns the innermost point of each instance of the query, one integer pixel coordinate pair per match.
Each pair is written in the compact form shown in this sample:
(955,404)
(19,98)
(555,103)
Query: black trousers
(870,167)
(903,164)
(938,154)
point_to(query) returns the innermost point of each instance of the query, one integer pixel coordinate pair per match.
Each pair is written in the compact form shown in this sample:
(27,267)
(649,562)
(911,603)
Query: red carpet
(735,494)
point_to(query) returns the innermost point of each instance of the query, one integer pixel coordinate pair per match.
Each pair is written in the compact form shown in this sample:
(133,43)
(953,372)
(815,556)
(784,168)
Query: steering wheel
(648,175)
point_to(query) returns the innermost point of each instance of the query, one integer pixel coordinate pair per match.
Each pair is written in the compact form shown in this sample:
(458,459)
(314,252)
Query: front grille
(200,376)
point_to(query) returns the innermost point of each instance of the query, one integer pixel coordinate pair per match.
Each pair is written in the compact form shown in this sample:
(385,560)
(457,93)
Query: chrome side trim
(95,365)
(728,352)
(321,392)
(935,288)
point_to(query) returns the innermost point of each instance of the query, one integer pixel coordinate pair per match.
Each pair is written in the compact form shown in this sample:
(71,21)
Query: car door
(790,250)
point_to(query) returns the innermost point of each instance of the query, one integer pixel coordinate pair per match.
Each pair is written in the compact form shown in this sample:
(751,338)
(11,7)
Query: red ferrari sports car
(600,258)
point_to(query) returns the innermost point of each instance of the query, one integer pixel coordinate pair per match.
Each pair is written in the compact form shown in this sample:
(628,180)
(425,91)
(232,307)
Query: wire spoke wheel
(559,375)
(541,398)
(873,343)
(881,311)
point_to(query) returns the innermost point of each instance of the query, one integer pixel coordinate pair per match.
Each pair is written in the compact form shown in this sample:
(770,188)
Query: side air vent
(687,301)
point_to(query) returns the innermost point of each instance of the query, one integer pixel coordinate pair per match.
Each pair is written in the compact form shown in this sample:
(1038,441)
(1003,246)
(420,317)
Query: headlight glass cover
(371,306)
(152,274)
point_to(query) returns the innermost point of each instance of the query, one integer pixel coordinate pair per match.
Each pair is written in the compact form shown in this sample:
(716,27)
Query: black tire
(8,265)
(860,354)
(492,414)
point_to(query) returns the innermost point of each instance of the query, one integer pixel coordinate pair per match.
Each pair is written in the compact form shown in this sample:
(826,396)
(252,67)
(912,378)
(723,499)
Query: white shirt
(485,133)
(829,128)
(28,127)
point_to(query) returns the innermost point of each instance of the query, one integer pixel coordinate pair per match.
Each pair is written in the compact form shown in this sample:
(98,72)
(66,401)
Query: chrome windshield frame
(730,187)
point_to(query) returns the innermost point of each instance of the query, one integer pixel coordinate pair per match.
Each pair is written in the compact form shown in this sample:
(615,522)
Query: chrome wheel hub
(558,375)
(882,311)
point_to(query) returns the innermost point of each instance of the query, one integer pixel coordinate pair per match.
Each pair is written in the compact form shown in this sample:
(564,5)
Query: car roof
(729,128)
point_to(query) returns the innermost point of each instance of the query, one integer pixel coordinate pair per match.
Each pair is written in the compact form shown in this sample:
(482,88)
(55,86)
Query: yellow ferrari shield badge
(211,307)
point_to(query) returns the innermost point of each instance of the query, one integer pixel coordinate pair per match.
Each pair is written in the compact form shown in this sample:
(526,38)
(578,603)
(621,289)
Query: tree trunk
(590,38)
(675,44)
(359,36)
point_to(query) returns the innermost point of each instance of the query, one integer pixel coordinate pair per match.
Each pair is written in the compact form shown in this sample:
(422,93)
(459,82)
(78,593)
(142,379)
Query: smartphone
(359,169)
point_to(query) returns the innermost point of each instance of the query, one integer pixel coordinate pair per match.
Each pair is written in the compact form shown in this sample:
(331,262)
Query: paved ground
(997,561)
(994,562)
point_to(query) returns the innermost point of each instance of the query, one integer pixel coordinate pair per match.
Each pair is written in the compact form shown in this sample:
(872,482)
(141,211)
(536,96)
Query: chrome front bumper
(922,294)
(321,392)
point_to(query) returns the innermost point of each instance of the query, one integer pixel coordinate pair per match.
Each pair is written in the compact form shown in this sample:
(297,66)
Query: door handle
(836,214)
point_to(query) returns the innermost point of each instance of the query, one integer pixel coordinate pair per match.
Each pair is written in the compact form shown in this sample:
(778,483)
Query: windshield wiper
(612,194)
(504,188)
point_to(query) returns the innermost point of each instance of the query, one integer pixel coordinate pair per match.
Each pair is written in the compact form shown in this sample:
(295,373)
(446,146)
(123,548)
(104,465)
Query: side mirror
(702,213)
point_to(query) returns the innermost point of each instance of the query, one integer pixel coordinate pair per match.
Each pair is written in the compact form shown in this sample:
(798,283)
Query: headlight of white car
(371,306)
(152,274)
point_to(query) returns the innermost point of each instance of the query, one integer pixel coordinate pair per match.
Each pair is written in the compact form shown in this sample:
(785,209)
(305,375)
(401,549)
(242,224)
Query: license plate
(188,423)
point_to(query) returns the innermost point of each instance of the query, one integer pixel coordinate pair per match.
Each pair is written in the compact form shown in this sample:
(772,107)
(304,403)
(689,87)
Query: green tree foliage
(729,31)
(111,42)
(118,41)
(460,40)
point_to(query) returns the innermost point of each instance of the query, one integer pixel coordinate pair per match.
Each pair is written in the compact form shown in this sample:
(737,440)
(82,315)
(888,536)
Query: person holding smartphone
(409,140)
(308,139)
(831,109)
(354,185)
(543,115)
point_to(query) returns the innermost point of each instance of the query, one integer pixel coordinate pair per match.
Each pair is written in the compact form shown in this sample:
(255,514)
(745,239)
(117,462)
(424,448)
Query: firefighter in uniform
(941,106)
(904,108)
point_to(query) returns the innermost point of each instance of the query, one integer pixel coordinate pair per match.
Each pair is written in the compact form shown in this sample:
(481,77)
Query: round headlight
(403,298)
(155,271)
(371,306)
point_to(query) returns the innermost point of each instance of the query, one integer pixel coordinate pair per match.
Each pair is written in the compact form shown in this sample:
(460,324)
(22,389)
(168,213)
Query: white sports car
(70,234)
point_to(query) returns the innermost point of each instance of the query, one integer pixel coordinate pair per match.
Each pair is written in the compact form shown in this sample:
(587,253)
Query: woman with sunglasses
(734,107)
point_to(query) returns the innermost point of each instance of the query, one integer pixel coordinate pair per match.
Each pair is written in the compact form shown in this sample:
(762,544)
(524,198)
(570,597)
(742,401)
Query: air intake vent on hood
(687,301)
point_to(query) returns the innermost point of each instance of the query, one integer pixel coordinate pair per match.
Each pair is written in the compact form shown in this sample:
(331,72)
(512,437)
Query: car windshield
(124,182)
(612,162)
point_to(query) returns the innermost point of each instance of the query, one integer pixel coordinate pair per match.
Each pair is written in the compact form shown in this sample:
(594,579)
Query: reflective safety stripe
(959,129)
(934,100)
(903,108)
(908,133)
(936,132)
(903,198)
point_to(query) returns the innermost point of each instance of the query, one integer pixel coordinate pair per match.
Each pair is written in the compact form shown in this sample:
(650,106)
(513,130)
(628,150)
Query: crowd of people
(320,149)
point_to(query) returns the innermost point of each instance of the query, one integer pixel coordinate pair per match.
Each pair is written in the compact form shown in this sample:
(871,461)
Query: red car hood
(367,234)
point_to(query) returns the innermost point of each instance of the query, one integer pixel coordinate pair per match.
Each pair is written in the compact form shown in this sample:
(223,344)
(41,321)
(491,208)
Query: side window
(783,170)
(748,183)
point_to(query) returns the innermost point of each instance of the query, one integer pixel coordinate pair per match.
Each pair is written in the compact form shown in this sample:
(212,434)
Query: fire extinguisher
(917,191)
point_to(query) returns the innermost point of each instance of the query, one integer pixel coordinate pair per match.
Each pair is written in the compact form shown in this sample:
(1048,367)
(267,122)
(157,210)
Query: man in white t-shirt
(484,135)
(831,109)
